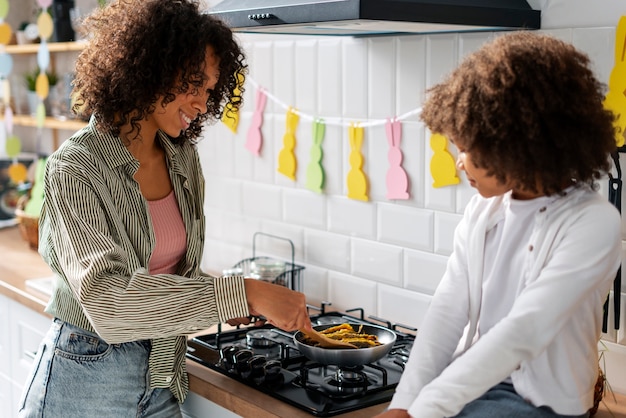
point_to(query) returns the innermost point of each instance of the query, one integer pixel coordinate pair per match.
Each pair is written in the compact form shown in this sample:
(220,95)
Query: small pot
(348,357)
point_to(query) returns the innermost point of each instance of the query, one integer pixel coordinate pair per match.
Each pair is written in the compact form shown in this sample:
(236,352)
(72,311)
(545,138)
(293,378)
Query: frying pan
(348,357)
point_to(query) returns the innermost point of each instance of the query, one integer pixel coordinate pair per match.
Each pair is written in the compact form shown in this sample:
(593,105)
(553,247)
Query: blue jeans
(502,401)
(77,374)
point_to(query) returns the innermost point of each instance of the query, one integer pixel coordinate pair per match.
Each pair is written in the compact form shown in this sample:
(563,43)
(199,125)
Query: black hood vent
(375,17)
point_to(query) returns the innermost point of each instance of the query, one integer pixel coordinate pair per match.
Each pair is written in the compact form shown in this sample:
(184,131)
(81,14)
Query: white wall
(384,256)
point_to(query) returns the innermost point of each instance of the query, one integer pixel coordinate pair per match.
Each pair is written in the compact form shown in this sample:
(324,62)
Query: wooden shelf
(52,47)
(52,123)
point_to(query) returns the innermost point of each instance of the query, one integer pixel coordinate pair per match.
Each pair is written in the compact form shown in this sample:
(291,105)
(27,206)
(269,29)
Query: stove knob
(255,368)
(272,372)
(241,360)
(227,356)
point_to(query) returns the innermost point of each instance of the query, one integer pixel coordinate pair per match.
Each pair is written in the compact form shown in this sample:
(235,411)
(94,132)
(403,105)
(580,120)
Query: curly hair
(529,110)
(142,50)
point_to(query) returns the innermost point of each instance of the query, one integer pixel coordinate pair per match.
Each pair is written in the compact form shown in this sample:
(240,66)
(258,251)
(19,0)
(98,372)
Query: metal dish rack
(290,278)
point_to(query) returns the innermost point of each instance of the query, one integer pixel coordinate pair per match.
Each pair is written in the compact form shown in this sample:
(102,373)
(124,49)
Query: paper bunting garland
(254,140)
(357,181)
(397,179)
(315,170)
(442,163)
(287,158)
(230,118)
(615,100)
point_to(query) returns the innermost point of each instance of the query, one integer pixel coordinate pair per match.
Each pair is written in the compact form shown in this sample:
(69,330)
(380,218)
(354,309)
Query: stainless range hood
(375,17)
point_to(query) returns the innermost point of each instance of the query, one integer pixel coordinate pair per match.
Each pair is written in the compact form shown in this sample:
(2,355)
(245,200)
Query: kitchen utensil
(326,342)
(348,357)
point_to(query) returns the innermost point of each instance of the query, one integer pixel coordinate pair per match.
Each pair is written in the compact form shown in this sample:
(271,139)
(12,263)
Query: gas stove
(266,358)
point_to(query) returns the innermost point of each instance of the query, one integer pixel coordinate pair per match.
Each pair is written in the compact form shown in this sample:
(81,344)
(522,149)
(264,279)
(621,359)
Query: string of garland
(335,121)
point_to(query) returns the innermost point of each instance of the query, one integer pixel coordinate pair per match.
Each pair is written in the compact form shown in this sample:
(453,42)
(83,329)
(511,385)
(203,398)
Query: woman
(513,327)
(122,226)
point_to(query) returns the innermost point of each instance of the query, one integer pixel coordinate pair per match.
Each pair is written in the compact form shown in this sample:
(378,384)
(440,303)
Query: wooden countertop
(17,264)
(20,263)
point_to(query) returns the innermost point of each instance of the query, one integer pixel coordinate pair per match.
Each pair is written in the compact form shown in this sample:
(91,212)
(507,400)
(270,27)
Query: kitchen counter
(20,263)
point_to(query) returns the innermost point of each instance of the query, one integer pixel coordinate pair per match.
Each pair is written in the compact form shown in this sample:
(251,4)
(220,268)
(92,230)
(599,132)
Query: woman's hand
(394,413)
(282,307)
(246,320)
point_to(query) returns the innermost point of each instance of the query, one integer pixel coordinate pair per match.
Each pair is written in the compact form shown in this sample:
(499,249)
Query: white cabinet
(196,406)
(21,332)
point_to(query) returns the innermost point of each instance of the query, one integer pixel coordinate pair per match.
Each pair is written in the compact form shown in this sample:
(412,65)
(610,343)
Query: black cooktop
(266,359)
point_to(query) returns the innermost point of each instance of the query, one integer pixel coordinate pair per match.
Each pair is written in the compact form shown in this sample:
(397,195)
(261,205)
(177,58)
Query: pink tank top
(170,235)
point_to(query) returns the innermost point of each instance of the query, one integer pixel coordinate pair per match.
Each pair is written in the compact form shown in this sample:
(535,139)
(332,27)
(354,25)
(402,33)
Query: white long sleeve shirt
(547,343)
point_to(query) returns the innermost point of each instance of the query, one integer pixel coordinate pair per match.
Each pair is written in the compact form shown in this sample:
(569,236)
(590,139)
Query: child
(513,327)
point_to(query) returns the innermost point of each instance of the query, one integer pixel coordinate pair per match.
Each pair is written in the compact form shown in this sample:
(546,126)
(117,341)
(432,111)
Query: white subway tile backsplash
(283,71)
(598,44)
(402,306)
(262,56)
(470,42)
(354,94)
(223,193)
(262,201)
(423,270)
(207,152)
(274,239)
(239,229)
(244,167)
(306,62)
(439,199)
(315,285)
(376,261)
(219,256)
(304,207)
(222,161)
(329,78)
(351,217)
(406,226)
(441,57)
(214,223)
(349,292)
(327,250)
(410,73)
(381,77)
(445,224)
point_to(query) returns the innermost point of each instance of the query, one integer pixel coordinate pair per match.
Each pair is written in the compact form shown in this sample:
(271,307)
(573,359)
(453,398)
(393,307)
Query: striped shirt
(97,236)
